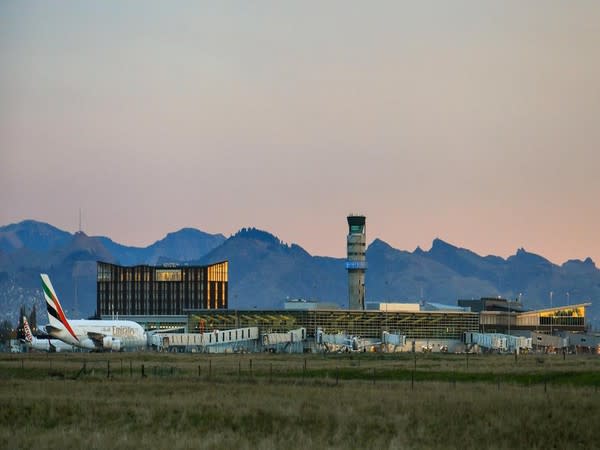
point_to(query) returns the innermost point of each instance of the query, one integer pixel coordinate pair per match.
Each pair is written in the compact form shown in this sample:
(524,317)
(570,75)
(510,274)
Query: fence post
(130,368)
(121,367)
(412,380)
(271,373)
(373,375)
(209,368)
(337,376)
(143,373)
(108,368)
(545,385)
(239,368)
(199,372)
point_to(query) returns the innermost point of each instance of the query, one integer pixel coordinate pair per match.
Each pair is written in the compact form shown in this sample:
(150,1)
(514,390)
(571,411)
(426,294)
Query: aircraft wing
(97,338)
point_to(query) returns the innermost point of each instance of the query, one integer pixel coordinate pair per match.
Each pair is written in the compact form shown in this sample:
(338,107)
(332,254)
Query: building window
(168,275)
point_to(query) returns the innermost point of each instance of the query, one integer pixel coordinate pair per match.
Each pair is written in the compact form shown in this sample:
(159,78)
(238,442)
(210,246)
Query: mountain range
(264,271)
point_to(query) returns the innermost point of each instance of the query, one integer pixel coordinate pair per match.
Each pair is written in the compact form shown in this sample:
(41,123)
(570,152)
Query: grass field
(298,401)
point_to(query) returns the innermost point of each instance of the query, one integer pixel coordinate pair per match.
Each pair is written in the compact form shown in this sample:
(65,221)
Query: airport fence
(408,371)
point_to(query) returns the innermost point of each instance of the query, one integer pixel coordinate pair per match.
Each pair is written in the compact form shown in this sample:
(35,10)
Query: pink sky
(475,123)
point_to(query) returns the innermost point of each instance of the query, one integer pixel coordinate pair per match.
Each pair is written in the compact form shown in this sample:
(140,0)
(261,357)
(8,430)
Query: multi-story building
(160,290)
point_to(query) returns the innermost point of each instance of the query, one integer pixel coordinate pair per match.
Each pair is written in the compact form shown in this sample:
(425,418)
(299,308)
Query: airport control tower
(356,263)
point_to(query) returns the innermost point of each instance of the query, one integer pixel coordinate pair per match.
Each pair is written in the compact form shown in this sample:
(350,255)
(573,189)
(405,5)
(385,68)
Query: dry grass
(280,405)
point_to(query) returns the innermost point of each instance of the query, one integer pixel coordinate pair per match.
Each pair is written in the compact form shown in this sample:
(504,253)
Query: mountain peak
(190,233)
(440,245)
(185,244)
(524,257)
(258,235)
(587,264)
(33,235)
(379,244)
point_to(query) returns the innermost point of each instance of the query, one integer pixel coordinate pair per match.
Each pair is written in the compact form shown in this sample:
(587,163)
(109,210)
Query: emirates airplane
(47,345)
(95,335)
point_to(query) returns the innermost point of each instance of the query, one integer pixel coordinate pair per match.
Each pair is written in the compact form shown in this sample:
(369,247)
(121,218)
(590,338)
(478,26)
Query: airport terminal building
(195,299)
(160,290)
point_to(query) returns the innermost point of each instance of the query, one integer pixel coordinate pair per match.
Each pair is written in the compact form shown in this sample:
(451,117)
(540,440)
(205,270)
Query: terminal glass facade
(149,290)
(368,324)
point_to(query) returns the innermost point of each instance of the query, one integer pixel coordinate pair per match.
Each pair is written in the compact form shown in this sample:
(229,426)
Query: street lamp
(568,298)
(551,313)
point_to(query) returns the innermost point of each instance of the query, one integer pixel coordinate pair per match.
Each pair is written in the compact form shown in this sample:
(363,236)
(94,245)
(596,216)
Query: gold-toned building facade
(160,290)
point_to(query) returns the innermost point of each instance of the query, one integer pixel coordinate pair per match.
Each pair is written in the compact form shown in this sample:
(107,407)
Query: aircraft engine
(107,343)
(116,345)
(88,344)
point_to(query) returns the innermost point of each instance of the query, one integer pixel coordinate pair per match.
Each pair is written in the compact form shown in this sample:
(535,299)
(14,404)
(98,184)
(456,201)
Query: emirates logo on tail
(56,316)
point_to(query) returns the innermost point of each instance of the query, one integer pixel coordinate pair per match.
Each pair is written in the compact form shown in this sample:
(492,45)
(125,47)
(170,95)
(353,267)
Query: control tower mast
(356,263)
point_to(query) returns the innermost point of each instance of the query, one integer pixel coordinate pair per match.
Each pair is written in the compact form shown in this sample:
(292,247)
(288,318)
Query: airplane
(47,345)
(95,335)
(344,342)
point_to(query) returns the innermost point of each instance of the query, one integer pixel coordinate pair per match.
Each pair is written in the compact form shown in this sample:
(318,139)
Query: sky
(475,122)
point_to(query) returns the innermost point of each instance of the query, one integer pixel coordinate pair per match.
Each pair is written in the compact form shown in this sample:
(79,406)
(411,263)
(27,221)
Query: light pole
(551,313)
(568,298)
(509,316)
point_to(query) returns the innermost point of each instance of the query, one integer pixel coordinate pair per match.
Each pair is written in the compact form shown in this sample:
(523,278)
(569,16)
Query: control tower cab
(356,263)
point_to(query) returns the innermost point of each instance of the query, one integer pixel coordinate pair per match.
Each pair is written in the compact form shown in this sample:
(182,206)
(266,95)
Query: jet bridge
(291,341)
(499,342)
(393,341)
(238,339)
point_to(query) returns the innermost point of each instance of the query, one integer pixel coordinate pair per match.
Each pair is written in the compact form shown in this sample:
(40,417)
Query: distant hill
(264,271)
(30,248)
(183,245)
(31,235)
(400,275)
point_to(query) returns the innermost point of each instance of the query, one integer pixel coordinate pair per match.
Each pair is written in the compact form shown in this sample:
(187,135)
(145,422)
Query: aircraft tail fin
(27,331)
(56,315)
